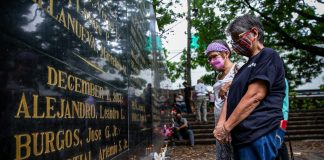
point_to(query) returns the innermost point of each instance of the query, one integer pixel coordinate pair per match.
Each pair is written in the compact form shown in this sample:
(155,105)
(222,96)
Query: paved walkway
(303,150)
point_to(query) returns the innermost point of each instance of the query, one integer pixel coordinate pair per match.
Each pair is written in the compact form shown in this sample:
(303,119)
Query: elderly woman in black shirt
(252,114)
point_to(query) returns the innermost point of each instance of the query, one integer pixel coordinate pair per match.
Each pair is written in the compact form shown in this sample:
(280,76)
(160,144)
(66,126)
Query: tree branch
(309,16)
(285,36)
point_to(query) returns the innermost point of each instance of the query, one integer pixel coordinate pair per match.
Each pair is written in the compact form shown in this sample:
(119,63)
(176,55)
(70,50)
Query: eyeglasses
(240,36)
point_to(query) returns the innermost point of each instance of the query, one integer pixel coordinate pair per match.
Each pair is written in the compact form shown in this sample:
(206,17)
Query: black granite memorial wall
(77,79)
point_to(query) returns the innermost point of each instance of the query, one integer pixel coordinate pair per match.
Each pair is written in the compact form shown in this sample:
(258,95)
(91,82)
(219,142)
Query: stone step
(305,126)
(306,111)
(197,131)
(192,115)
(301,118)
(297,114)
(292,117)
(291,122)
(306,131)
(305,136)
(203,135)
(305,122)
(211,140)
(193,122)
(203,126)
(309,124)
(292,113)
(206,132)
(302,125)
(291,133)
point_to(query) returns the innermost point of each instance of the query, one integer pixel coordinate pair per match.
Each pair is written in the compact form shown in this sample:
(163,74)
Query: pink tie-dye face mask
(217,63)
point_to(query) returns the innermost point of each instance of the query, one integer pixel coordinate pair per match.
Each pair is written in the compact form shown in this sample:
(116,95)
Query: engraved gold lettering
(77,85)
(125,144)
(49,9)
(23,109)
(107,132)
(82,110)
(85,87)
(61,79)
(49,107)
(59,141)
(61,18)
(64,80)
(35,108)
(71,22)
(76,109)
(36,145)
(84,34)
(78,5)
(52,74)
(65,18)
(68,138)
(108,151)
(108,113)
(120,145)
(67,111)
(45,142)
(93,135)
(83,156)
(70,84)
(77,29)
(76,134)
(88,111)
(61,114)
(23,147)
(49,139)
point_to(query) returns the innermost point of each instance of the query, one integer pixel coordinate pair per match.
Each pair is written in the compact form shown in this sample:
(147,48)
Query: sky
(176,41)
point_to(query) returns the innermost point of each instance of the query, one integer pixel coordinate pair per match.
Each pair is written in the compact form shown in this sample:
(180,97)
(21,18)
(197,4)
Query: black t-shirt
(266,66)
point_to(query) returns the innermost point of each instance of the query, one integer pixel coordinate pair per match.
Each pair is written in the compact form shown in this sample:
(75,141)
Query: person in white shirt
(218,54)
(200,91)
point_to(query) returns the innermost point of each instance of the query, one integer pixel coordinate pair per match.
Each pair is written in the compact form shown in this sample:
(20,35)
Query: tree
(165,14)
(293,28)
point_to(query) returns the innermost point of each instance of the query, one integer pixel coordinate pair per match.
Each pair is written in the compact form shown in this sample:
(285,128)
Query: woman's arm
(252,98)
(222,116)
(221,120)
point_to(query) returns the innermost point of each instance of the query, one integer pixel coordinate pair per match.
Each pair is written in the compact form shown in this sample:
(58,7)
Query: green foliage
(304,103)
(176,70)
(209,79)
(164,13)
(292,28)
(301,67)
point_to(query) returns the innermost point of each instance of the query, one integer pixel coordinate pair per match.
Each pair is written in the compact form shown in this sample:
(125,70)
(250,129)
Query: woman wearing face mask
(218,54)
(252,113)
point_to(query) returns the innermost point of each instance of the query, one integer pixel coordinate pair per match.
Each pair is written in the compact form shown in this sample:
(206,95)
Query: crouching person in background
(182,129)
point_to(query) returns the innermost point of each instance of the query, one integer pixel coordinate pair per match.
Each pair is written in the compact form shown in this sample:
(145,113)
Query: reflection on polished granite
(77,79)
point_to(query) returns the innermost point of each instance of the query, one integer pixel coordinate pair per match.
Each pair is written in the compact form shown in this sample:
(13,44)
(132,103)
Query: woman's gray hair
(244,23)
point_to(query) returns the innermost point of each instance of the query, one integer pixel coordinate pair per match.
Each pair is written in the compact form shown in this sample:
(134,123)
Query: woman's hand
(223,90)
(221,134)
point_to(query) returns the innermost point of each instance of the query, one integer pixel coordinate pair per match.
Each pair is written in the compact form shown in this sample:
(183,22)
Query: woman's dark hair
(223,43)
(244,23)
